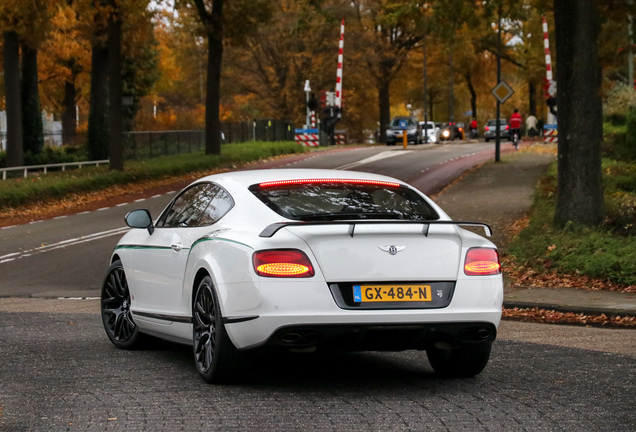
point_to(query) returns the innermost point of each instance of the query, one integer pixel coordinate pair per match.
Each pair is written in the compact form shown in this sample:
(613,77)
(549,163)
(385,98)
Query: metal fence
(149,144)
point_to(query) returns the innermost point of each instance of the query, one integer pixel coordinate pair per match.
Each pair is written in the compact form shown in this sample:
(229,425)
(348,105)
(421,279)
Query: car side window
(200,205)
(220,204)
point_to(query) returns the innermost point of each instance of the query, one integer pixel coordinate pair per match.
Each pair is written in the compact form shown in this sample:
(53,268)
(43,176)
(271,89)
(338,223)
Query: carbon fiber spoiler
(272,229)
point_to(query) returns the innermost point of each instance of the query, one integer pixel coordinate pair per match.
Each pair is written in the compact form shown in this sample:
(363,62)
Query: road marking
(62,244)
(374,158)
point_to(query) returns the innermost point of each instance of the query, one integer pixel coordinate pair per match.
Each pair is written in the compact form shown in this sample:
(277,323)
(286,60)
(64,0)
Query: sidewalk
(499,193)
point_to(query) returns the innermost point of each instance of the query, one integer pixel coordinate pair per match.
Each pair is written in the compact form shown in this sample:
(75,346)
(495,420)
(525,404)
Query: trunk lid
(384,252)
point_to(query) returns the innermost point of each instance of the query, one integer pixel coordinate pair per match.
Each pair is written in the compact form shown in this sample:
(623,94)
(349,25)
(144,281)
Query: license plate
(391,293)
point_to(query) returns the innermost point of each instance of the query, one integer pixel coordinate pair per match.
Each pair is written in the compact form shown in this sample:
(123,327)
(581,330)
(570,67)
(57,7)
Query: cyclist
(515,127)
(474,133)
(531,126)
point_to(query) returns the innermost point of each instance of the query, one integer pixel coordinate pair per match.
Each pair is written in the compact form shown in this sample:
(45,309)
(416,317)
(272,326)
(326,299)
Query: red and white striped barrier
(550,136)
(339,70)
(307,139)
(340,138)
(546,49)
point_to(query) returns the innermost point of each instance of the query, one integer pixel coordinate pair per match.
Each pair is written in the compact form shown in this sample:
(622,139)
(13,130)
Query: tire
(216,358)
(463,362)
(487,139)
(115,306)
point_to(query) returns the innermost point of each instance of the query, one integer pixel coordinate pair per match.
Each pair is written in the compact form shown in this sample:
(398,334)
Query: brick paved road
(59,372)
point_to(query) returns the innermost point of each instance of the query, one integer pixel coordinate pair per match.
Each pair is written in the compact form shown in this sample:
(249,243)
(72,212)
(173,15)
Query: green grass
(37,188)
(607,252)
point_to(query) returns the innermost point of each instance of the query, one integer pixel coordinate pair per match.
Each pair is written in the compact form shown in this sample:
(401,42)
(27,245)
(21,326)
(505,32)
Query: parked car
(400,124)
(299,260)
(452,131)
(430,132)
(490,129)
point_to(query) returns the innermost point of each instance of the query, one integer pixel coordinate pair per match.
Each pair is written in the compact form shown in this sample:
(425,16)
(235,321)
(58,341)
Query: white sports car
(304,260)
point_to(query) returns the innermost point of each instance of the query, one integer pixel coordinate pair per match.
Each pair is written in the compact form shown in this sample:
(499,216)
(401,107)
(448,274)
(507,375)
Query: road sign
(502,91)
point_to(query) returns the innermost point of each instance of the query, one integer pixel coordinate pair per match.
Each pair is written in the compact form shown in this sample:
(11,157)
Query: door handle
(176,247)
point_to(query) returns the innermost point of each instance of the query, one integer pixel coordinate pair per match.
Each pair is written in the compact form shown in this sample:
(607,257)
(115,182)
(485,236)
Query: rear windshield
(338,200)
(502,122)
(400,121)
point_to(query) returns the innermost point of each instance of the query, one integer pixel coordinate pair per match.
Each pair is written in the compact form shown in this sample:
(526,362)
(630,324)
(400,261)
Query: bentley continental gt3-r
(304,260)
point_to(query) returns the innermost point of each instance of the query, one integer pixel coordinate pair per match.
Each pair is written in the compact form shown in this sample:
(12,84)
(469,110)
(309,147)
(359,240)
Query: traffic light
(552,104)
(312,104)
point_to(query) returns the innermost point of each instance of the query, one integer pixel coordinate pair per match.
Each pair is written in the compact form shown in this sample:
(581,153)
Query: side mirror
(140,219)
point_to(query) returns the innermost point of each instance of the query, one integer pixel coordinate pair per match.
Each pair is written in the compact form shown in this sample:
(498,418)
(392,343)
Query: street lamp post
(497,133)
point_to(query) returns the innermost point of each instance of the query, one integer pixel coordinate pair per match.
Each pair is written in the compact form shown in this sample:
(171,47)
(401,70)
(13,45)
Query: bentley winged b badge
(392,249)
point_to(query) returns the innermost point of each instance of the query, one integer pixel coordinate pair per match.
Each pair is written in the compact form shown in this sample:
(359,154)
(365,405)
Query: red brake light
(482,261)
(327,180)
(487,128)
(282,263)
(507,127)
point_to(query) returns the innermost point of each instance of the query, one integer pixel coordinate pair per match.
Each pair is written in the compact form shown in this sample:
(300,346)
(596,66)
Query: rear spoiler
(272,229)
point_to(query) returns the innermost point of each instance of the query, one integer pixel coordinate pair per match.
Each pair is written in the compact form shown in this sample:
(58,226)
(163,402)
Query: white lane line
(62,244)
(374,158)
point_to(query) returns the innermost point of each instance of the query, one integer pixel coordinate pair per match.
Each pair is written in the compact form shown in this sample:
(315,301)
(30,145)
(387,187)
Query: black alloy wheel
(216,358)
(115,304)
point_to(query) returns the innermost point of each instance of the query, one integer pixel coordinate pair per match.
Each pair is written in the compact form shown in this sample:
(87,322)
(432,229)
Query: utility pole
(497,124)
(425,93)
(630,51)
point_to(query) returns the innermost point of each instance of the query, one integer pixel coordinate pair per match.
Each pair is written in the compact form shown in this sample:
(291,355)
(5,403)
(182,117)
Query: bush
(618,102)
(49,155)
(620,142)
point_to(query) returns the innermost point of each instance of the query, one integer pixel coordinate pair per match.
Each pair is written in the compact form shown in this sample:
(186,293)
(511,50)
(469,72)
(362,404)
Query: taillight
(487,128)
(507,127)
(289,263)
(482,261)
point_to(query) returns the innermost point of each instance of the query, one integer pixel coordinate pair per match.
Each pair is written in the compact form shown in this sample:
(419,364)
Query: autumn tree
(211,16)
(65,62)
(98,132)
(580,186)
(392,29)
(11,57)
(26,25)
(274,59)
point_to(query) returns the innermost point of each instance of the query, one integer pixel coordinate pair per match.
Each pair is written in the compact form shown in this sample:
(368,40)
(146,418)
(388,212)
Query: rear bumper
(377,337)
(307,315)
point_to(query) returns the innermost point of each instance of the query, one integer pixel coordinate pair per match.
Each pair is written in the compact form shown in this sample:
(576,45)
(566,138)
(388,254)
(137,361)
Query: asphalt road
(60,373)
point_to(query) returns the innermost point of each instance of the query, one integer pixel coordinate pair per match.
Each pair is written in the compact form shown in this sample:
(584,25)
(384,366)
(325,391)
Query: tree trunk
(11,57)
(69,114)
(98,110)
(580,187)
(214,29)
(32,128)
(432,100)
(532,98)
(115,92)
(473,95)
(213,96)
(384,102)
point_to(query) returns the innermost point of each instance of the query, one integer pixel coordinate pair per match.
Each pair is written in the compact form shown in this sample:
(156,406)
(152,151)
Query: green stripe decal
(143,247)
(201,240)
